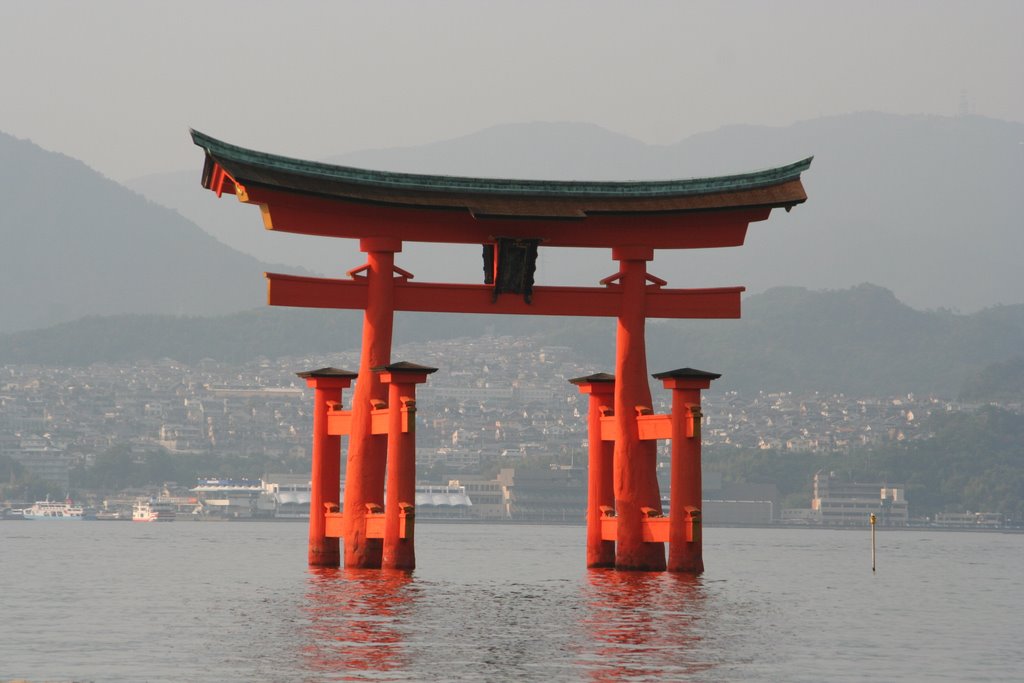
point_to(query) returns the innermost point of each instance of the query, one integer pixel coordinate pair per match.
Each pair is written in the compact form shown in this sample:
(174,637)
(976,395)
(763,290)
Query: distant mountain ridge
(926,206)
(73,243)
(860,341)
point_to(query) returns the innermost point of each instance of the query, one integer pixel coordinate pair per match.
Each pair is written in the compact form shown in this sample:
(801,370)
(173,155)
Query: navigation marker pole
(872,541)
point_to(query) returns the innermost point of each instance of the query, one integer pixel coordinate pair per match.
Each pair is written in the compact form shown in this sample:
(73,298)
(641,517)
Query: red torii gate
(511,219)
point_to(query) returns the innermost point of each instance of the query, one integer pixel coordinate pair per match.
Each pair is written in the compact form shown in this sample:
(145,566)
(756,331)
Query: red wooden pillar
(325,473)
(635,461)
(600,489)
(367,454)
(399,510)
(685,549)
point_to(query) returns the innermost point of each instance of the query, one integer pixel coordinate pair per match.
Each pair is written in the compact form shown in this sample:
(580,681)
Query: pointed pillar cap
(328,372)
(686,373)
(405,366)
(591,379)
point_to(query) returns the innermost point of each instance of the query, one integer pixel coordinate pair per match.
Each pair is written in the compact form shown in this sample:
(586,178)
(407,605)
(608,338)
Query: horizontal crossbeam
(374,524)
(652,529)
(651,427)
(311,292)
(339,422)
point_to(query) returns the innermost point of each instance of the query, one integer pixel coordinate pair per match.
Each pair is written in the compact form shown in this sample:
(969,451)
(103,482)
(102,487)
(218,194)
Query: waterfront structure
(969,520)
(228,498)
(510,220)
(839,503)
(437,501)
(287,495)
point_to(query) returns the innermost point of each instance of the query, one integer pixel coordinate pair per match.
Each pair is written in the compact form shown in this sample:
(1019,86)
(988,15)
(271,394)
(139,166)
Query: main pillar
(399,507)
(685,548)
(600,483)
(367,453)
(635,461)
(325,473)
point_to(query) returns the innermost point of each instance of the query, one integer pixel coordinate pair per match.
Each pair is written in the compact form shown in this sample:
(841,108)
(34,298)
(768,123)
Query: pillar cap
(328,372)
(593,379)
(686,373)
(405,366)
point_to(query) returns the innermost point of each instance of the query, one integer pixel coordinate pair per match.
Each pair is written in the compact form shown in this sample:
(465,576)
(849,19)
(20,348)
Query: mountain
(240,226)
(75,243)
(861,341)
(926,206)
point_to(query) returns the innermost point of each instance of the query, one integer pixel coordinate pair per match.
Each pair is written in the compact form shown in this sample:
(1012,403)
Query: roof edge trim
(227,155)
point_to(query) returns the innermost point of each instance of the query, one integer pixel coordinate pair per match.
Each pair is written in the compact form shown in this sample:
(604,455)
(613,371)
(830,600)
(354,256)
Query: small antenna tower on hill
(965,107)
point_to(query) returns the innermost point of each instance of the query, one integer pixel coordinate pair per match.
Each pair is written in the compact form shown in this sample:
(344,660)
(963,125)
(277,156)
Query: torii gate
(511,219)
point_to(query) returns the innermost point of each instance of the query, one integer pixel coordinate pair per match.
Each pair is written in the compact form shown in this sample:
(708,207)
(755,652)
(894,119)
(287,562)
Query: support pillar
(685,550)
(399,506)
(600,483)
(325,473)
(635,461)
(367,453)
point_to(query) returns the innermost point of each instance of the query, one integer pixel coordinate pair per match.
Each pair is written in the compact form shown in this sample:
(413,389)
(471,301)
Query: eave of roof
(776,187)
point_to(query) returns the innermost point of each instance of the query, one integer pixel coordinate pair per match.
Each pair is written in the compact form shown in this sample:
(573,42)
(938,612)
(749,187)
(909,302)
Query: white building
(838,503)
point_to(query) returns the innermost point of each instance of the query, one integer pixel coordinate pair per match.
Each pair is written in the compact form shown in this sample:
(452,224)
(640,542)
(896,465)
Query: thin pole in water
(872,541)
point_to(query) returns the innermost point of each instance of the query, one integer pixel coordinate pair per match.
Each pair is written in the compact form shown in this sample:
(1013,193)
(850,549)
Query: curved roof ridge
(226,153)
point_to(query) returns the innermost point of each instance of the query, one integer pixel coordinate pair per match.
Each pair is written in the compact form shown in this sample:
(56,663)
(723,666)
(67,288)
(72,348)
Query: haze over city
(117,84)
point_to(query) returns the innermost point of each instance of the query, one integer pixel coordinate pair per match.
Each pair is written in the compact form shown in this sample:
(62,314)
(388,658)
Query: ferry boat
(51,509)
(153,511)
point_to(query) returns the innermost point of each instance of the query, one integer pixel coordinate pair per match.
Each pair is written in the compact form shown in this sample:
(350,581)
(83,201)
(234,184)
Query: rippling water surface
(91,601)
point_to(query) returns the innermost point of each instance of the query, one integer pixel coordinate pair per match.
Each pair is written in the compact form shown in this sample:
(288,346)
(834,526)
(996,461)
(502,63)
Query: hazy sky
(116,84)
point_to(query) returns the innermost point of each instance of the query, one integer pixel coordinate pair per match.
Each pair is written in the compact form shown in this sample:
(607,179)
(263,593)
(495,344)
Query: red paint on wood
(311,292)
(325,471)
(724,226)
(399,552)
(654,427)
(364,480)
(635,478)
(600,477)
(686,552)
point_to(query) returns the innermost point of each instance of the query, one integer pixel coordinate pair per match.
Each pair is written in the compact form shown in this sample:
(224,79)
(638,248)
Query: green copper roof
(247,164)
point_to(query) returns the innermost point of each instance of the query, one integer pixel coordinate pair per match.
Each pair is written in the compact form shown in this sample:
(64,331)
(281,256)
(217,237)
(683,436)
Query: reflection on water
(643,626)
(356,620)
(380,625)
(778,605)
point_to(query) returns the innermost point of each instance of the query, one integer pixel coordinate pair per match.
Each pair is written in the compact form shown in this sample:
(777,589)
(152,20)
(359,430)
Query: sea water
(101,601)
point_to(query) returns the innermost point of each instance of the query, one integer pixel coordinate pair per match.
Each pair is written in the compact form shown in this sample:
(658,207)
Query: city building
(838,503)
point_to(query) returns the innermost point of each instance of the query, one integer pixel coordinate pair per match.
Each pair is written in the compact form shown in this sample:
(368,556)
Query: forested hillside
(968,462)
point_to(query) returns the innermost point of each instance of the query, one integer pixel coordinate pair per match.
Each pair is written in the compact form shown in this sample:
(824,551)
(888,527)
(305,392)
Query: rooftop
(228,166)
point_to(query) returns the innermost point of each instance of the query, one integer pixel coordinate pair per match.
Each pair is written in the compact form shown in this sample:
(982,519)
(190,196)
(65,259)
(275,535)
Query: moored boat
(54,510)
(153,511)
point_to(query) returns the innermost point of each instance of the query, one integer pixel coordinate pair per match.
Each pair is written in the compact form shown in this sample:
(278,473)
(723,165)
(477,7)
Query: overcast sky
(117,84)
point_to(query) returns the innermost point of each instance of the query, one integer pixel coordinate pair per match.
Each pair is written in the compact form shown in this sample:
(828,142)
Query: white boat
(153,511)
(51,509)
